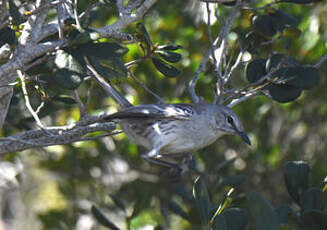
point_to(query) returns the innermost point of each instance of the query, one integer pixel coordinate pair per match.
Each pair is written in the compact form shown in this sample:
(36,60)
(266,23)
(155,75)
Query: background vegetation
(103,183)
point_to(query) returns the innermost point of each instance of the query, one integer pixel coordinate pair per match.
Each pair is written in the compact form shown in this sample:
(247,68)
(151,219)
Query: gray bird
(166,129)
(170,129)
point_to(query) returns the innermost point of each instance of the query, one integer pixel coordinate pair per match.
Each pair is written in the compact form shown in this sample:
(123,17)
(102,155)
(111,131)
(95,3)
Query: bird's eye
(230,120)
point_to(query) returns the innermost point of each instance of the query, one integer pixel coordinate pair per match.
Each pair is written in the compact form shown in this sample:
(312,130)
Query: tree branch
(52,136)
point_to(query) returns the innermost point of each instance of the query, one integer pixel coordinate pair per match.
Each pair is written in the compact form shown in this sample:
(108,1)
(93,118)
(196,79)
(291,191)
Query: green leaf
(255,70)
(315,220)
(220,223)
(296,174)
(283,93)
(202,200)
(252,41)
(175,208)
(101,50)
(165,68)
(283,213)
(276,59)
(311,200)
(292,33)
(70,72)
(237,218)
(170,56)
(15,14)
(63,99)
(7,35)
(117,202)
(306,77)
(102,219)
(280,19)
(233,181)
(170,47)
(143,37)
(231,219)
(263,25)
(262,212)
(141,204)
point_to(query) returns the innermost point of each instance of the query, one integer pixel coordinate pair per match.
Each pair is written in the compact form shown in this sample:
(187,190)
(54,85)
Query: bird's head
(227,121)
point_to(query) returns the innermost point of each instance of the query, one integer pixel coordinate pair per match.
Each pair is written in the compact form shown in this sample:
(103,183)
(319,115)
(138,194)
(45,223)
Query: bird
(170,129)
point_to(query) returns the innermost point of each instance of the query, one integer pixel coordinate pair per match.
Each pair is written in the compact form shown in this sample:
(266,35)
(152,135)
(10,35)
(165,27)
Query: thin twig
(80,104)
(78,24)
(27,100)
(42,7)
(60,25)
(89,92)
(232,69)
(243,98)
(321,60)
(38,110)
(136,61)
(219,43)
(219,84)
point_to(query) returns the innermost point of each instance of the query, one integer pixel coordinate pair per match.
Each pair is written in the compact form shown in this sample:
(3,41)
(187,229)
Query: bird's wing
(155,111)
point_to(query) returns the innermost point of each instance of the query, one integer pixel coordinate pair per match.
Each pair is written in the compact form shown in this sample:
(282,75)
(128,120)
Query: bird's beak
(244,137)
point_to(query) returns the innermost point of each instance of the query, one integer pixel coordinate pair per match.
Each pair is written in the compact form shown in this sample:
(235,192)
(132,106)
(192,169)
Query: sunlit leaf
(70,72)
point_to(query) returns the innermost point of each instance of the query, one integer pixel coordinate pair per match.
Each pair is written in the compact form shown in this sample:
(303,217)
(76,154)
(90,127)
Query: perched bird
(170,129)
(166,129)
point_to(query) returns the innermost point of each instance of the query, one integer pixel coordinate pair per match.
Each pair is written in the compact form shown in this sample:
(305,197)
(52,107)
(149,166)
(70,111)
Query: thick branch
(52,136)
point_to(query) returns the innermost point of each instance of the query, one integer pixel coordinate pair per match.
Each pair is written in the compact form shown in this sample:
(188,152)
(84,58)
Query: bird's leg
(186,161)
(154,157)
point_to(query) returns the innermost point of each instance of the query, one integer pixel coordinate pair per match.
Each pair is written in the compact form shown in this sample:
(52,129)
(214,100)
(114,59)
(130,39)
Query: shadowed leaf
(296,174)
(202,200)
(262,212)
(102,219)
(165,68)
